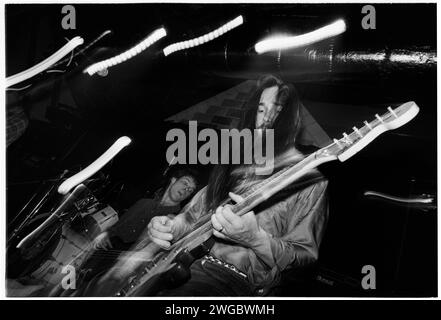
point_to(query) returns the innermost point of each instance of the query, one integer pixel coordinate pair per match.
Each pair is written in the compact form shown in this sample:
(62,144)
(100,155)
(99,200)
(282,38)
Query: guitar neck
(266,189)
(279,181)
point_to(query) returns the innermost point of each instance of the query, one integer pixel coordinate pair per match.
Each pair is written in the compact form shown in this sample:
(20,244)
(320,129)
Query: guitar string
(135,284)
(352,137)
(206,227)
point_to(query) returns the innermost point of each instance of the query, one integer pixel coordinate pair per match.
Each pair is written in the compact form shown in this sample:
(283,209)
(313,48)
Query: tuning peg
(367,125)
(357,131)
(392,112)
(348,140)
(379,118)
(338,143)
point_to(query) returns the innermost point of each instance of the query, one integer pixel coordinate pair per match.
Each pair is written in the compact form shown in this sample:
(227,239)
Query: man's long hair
(286,128)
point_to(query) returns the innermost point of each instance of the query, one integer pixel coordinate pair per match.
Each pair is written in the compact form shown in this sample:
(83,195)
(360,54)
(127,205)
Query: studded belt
(224,264)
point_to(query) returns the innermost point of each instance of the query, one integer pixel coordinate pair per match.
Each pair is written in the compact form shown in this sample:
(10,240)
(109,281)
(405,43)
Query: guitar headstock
(353,142)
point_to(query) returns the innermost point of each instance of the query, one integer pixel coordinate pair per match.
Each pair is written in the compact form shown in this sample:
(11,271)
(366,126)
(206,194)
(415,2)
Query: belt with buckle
(224,264)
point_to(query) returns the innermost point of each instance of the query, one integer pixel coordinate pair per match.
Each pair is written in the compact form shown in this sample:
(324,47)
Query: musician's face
(268,108)
(181,188)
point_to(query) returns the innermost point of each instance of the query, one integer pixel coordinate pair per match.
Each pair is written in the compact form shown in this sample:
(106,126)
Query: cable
(102,35)
(19,89)
(70,60)
(409,200)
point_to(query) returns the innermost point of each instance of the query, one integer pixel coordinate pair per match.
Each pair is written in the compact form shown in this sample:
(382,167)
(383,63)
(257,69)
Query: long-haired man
(251,251)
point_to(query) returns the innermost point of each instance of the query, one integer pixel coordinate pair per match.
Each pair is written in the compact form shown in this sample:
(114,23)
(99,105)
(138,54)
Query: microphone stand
(35,210)
(58,215)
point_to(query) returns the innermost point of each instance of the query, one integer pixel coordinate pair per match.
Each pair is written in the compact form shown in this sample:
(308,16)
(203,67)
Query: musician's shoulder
(201,193)
(319,178)
(317,173)
(313,181)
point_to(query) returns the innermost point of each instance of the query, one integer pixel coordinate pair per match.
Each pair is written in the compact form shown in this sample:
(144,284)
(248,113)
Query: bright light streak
(93,168)
(412,58)
(128,54)
(40,67)
(203,39)
(354,56)
(281,43)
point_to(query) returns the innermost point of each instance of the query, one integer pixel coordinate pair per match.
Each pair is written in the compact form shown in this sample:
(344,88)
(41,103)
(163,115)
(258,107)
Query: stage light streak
(395,58)
(204,38)
(354,56)
(95,166)
(40,67)
(403,56)
(281,43)
(128,54)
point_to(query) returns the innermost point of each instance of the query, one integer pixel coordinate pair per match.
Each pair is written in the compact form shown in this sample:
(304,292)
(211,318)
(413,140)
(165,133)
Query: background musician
(122,235)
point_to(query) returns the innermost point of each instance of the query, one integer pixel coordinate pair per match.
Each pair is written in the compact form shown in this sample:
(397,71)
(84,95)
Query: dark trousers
(211,279)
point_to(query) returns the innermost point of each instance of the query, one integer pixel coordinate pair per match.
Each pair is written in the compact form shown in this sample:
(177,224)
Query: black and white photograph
(241,150)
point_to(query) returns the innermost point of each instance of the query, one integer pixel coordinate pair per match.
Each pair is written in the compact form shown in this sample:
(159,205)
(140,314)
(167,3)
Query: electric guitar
(158,262)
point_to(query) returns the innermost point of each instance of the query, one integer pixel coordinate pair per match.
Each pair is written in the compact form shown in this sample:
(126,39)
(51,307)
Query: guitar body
(116,282)
(139,270)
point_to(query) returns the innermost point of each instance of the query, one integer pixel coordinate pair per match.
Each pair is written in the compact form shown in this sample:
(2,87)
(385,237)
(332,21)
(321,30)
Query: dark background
(139,94)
